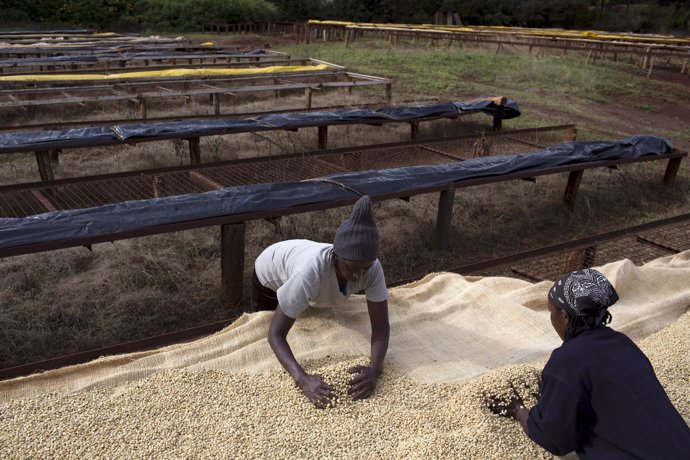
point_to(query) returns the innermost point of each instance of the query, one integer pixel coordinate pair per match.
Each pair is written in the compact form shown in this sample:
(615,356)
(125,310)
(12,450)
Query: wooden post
(672,170)
(307,94)
(574,179)
(389,92)
(651,66)
(232,262)
(194,150)
(481,147)
(45,167)
(570,135)
(443,219)
(154,187)
(55,156)
(215,100)
(578,259)
(414,130)
(142,107)
(323,137)
(498,123)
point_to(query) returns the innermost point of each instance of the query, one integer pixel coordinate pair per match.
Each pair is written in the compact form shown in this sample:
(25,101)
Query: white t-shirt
(302,272)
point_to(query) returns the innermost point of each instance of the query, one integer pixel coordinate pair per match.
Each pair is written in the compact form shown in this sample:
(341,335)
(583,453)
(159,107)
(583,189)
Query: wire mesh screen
(99,191)
(639,248)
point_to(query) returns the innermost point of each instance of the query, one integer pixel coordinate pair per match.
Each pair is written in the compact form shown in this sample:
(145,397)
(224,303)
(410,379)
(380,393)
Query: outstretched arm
(364,383)
(313,386)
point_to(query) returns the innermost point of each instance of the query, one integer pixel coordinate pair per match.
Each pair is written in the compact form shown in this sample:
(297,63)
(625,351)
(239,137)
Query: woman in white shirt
(292,275)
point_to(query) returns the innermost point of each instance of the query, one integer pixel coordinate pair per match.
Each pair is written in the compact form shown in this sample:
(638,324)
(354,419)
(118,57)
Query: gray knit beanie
(357,237)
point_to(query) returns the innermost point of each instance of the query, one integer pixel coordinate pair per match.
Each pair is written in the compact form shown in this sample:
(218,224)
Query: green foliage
(392,11)
(101,14)
(614,15)
(301,10)
(159,15)
(666,16)
(186,15)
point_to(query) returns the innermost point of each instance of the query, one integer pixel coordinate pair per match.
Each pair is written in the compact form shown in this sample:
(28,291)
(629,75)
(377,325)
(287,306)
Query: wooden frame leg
(443,219)
(574,179)
(45,166)
(215,100)
(414,130)
(194,150)
(232,262)
(55,157)
(578,259)
(323,137)
(672,168)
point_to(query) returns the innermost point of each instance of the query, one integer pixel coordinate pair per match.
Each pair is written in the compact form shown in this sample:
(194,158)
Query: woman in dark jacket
(599,394)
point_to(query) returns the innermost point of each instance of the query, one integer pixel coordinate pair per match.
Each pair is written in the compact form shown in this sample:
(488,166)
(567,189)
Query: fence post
(574,179)
(232,262)
(194,150)
(443,219)
(45,167)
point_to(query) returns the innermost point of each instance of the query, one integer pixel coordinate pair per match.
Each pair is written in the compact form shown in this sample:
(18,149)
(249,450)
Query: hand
(505,409)
(363,384)
(316,390)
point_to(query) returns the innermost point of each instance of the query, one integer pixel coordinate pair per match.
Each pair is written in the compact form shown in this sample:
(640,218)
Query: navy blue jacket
(601,398)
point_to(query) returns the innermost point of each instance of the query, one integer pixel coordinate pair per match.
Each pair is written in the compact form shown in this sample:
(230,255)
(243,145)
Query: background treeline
(665,16)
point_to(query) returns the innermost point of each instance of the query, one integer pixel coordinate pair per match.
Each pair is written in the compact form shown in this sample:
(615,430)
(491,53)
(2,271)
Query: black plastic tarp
(139,215)
(50,139)
(78,137)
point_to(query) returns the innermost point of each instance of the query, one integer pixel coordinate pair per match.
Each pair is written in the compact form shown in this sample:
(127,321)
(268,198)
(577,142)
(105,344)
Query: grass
(456,71)
(70,300)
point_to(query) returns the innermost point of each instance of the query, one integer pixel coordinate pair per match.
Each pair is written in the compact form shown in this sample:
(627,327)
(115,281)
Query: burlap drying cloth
(444,328)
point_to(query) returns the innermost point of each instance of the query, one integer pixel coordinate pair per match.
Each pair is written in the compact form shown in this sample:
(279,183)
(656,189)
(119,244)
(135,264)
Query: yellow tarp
(167,73)
(572,34)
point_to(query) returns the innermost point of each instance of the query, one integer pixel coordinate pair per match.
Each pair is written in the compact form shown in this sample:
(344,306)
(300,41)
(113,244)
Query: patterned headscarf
(583,293)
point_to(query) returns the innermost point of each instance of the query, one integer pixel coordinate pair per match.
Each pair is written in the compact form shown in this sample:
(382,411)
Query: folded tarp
(78,137)
(142,214)
(166,73)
